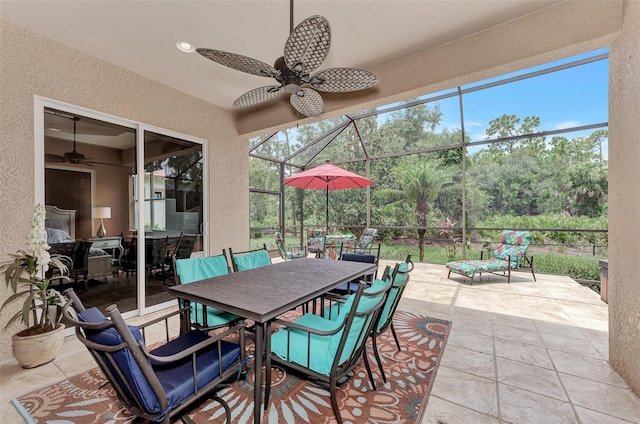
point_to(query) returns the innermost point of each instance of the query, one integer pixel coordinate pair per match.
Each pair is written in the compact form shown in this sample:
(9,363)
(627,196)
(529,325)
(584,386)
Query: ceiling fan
(305,50)
(73,156)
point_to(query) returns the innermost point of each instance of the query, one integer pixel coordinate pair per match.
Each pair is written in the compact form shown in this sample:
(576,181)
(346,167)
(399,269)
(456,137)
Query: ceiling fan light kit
(305,50)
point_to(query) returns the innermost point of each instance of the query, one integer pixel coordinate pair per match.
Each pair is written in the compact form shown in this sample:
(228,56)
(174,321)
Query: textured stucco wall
(624,198)
(31,64)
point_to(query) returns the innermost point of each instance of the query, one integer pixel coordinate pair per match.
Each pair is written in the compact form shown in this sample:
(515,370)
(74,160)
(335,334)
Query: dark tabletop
(261,294)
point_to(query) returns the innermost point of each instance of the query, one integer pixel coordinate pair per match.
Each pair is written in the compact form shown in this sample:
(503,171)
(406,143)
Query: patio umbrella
(327,177)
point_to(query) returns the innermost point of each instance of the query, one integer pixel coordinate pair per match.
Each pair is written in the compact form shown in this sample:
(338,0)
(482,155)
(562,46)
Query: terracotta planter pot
(33,351)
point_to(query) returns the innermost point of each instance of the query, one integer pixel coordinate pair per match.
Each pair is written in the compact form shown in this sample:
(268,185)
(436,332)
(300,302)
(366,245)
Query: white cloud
(566,124)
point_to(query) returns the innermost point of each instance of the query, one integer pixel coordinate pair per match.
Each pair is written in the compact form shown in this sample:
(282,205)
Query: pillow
(58,224)
(55,235)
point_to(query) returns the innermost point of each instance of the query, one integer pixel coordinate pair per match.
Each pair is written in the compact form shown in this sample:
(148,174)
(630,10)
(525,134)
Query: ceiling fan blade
(339,80)
(308,102)
(239,62)
(257,95)
(308,44)
(50,157)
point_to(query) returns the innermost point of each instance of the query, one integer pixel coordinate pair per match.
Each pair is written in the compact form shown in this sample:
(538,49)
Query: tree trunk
(421,243)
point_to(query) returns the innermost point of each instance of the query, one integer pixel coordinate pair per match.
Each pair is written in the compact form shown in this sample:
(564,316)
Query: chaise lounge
(510,254)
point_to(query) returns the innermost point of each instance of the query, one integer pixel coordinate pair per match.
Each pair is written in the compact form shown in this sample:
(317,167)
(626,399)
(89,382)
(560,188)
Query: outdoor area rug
(85,398)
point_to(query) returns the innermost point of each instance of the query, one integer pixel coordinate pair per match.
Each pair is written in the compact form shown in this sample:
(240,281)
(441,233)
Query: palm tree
(421,183)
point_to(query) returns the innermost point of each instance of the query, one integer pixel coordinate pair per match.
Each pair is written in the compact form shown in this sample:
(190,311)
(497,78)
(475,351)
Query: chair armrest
(310,330)
(191,350)
(165,319)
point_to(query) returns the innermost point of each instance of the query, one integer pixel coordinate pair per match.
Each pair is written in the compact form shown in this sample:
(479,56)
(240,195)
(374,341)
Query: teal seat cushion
(252,260)
(196,269)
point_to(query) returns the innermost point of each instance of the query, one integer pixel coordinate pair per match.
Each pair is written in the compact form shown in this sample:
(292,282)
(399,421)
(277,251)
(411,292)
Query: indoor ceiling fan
(73,156)
(305,50)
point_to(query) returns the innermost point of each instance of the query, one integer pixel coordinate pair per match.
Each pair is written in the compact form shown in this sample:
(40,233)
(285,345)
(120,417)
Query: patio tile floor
(524,352)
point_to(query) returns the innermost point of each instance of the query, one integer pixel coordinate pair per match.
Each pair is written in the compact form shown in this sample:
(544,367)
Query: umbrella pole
(327,218)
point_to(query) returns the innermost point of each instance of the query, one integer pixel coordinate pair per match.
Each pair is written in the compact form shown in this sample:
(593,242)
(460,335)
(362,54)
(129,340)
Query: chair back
(115,348)
(280,244)
(315,240)
(155,251)
(399,281)
(80,257)
(129,259)
(359,314)
(367,238)
(185,246)
(249,259)
(513,245)
(332,248)
(196,269)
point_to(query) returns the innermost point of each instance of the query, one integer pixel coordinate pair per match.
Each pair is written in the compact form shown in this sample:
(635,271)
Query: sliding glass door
(94,166)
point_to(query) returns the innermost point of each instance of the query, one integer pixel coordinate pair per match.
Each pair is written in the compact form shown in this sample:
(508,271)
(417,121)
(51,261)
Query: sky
(572,97)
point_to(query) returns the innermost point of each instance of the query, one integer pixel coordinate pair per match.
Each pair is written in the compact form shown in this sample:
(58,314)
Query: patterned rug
(86,398)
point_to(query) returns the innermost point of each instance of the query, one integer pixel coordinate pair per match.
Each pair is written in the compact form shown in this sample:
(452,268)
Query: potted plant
(28,277)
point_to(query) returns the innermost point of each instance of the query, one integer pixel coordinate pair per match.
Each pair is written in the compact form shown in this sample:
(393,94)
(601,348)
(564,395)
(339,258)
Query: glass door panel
(88,166)
(173,208)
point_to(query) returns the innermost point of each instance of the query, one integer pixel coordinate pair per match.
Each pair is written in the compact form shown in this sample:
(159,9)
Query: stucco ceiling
(142,35)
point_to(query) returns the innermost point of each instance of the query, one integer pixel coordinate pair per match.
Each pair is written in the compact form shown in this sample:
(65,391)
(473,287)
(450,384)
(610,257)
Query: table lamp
(102,213)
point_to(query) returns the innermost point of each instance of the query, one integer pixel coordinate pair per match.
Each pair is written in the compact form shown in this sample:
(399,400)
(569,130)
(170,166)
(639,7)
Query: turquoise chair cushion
(252,260)
(397,283)
(196,269)
(295,346)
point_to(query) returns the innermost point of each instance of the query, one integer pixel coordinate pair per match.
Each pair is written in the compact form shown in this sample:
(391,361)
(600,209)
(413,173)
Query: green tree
(421,184)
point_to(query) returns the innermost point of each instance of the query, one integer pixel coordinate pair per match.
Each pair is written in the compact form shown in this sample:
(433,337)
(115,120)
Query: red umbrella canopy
(327,177)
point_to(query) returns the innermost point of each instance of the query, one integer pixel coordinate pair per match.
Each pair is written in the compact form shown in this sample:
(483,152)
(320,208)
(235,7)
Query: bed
(60,225)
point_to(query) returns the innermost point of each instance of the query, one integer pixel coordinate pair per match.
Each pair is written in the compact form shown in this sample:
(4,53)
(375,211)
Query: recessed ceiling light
(183,46)
(53,129)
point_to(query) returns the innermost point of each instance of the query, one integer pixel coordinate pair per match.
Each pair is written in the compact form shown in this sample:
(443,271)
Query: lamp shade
(102,212)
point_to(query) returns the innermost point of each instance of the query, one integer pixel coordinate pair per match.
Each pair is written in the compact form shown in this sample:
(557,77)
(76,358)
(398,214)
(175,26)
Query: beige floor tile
(589,416)
(570,345)
(76,364)
(474,325)
(596,336)
(467,390)
(525,353)
(469,361)
(440,411)
(558,329)
(9,414)
(523,407)
(514,321)
(589,368)
(603,350)
(470,340)
(550,315)
(516,334)
(528,377)
(16,381)
(611,400)
(474,314)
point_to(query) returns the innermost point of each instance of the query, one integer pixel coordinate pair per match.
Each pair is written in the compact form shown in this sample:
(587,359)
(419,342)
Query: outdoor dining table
(262,294)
